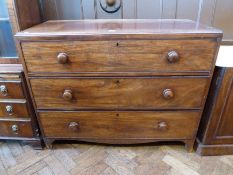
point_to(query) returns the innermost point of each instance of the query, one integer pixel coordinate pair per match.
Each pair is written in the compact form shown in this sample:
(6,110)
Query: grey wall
(218,13)
(7,47)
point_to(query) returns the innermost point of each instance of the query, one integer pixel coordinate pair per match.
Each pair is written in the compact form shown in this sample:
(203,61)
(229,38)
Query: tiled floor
(89,159)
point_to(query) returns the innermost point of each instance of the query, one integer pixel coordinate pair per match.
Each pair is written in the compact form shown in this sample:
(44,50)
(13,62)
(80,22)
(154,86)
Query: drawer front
(119,56)
(15,129)
(11,90)
(119,125)
(118,93)
(14,109)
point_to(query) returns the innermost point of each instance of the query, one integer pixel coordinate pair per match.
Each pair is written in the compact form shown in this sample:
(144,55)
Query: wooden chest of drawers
(120,82)
(17,118)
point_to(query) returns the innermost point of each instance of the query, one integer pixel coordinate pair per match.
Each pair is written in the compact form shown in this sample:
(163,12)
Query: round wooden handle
(173,57)
(162,125)
(67,95)
(15,128)
(110,3)
(168,94)
(62,58)
(73,126)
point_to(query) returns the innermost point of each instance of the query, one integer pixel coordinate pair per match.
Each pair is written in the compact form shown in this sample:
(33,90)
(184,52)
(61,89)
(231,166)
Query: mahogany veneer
(120,125)
(17,117)
(215,136)
(13,87)
(125,56)
(15,129)
(119,93)
(13,108)
(119,81)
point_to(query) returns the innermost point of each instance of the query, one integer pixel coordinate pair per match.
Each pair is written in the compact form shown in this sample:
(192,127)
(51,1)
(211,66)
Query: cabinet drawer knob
(15,128)
(74,126)
(67,95)
(3,90)
(168,94)
(111,2)
(173,57)
(9,109)
(162,125)
(62,58)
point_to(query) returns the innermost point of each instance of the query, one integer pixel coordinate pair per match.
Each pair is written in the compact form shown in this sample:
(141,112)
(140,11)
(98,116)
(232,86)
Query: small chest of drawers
(17,119)
(119,81)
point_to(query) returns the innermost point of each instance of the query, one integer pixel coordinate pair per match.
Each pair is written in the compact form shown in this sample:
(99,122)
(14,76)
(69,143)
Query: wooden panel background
(216,13)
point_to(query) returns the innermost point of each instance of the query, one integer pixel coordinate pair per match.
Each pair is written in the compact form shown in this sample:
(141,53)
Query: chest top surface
(115,28)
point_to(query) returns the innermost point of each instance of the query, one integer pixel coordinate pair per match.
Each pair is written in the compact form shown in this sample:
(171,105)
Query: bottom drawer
(120,125)
(15,128)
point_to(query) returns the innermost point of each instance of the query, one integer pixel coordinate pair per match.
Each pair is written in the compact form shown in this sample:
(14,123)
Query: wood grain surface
(82,159)
(109,29)
(14,89)
(119,56)
(119,93)
(216,131)
(120,125)
(19,109)
(102,67)
(24,128)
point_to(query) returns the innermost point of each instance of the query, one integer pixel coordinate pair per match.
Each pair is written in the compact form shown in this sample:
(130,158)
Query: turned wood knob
(168,94)
(172,57)
(74,126)
(110,3)
(62,58)
(15,128)
(67,95)
(9,109)
(162,125)
(3,90)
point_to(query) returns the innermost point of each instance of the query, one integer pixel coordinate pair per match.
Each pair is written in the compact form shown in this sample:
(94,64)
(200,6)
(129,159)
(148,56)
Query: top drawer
(11,87)
(119,56)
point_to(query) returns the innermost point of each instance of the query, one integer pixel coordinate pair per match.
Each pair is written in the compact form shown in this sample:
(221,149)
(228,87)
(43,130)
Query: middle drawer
(13,109)
(119,93)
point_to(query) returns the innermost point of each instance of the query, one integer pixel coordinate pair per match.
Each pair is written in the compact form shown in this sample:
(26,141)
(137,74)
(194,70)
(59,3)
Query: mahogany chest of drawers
(119,81)
(17,117)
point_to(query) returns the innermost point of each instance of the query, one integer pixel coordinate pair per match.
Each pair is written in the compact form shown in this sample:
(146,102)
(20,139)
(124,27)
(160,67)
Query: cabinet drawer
(118,93)
(119,56)
(11,87)
(119,125)
(16,128)
(13,109)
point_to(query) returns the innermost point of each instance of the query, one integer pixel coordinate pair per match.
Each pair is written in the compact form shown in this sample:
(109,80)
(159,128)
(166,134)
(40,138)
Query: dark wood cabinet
(119,81)
(116,81)
(216,130)
(17,116)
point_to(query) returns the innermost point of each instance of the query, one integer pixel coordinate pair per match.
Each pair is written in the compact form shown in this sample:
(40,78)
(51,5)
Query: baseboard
(213,150)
